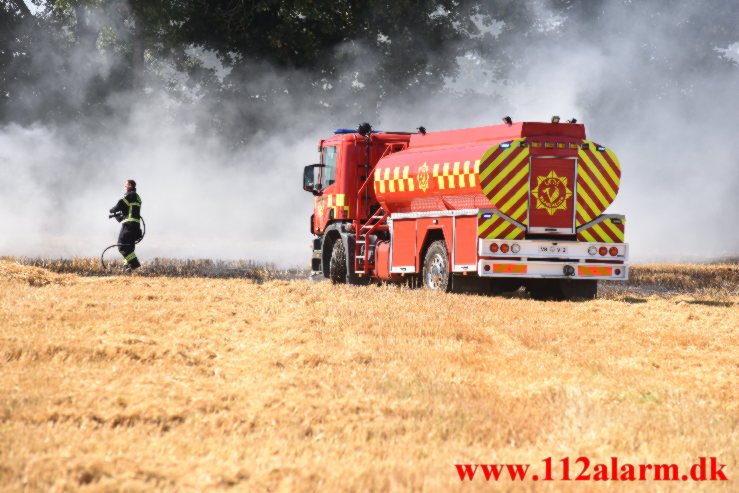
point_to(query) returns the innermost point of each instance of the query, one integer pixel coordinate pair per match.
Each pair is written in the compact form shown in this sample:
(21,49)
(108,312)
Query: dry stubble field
(159,383)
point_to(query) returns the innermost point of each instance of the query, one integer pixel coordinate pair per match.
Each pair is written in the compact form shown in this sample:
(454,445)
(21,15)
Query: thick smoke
(648,83)
(641,78)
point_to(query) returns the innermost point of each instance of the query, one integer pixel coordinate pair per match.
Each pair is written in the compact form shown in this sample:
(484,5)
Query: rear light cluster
(603,251)
(505,248)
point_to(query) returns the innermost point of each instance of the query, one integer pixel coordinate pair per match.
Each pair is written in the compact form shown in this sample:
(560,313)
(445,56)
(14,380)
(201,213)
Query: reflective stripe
(131,205)
(129,257)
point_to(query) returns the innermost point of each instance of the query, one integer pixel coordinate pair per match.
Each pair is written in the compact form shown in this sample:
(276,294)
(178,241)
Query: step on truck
(496,208)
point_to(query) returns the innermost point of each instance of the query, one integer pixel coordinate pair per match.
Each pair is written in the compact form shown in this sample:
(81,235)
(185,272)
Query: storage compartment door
(403,252)
(552,195)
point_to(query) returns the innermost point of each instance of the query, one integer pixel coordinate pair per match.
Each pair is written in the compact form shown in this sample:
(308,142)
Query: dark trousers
(130,232)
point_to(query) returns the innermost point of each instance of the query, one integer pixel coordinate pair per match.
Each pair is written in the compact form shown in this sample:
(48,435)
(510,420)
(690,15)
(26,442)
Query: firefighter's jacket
(130,206)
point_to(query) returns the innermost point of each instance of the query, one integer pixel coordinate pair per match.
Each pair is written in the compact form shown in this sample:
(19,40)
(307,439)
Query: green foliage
(323,50)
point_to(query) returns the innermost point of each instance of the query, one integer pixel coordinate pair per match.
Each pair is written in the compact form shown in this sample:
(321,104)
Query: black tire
(436,276)
(337,266)
(339,269)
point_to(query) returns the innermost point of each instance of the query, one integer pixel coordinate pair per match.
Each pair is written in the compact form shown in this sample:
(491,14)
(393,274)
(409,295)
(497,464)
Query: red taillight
(603,251)
(504,248)
(487,267)
(493,247)
(613,251)
(618,272)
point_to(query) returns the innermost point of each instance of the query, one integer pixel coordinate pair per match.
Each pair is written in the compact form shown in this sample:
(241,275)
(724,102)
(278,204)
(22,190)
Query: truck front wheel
(341,271)
(337,266)
(436,267)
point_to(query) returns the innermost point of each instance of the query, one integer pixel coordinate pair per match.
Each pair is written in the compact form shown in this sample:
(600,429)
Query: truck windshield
(329,169)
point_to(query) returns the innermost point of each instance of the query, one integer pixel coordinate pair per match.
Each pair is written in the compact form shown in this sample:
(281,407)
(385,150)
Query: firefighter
(128,212)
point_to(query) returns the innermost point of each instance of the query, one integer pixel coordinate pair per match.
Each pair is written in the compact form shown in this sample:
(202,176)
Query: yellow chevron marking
(491,223)
(513,181)
(585,234)
(611,192)
(617,232)
(511,166)
(609,170)
(499,229)
(515,198)
(594,189)
(585,216)
(599,231)
(594,169)
(517,215)
(584,194)
(491,167)
(512,235)
(485,225)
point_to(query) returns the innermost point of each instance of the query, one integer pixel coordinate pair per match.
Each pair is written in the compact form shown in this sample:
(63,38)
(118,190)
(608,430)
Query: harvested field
(160,382)
(90,266)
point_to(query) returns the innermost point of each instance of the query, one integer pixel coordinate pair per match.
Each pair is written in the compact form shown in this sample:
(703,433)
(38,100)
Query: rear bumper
(557,270)
(552,259)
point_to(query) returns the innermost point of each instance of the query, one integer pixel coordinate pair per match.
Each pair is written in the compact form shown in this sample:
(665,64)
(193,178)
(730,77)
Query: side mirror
(311,178)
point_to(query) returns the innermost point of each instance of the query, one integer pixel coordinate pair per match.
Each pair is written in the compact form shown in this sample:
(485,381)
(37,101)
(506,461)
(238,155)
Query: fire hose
(143,233)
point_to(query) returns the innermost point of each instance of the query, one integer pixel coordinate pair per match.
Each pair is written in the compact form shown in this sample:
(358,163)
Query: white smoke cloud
(630,78)
(199,199)
(626,76)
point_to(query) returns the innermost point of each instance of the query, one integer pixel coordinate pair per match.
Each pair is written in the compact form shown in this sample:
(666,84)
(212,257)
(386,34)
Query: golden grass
(161,383)
(91,266)
(688,277)
(716,283)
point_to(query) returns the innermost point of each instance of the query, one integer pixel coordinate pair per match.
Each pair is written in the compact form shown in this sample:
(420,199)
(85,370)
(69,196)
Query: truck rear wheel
(436,275)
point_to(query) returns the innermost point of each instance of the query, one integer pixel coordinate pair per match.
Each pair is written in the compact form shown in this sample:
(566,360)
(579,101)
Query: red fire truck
(500,207)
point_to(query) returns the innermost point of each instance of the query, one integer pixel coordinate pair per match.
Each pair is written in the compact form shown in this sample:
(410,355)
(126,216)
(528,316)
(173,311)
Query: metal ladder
(377,222)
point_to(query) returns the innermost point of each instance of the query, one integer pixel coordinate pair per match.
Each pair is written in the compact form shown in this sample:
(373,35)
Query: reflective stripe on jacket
(130,206)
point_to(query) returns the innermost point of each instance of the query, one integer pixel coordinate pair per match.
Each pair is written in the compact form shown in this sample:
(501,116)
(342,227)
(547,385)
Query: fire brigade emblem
(551,193)
(319,205)
(423,177)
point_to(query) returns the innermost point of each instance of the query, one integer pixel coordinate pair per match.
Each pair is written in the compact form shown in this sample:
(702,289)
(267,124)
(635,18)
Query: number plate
(552,249)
